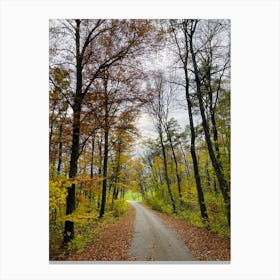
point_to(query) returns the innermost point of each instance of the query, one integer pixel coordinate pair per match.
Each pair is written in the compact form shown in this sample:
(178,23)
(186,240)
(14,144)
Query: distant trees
(118,99)
(158,109)
(171,126)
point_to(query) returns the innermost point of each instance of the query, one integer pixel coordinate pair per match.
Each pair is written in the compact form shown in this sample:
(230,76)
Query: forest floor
(113,243)
(116,241)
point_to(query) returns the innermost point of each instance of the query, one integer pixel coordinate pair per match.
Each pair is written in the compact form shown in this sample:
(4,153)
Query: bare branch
(61,91)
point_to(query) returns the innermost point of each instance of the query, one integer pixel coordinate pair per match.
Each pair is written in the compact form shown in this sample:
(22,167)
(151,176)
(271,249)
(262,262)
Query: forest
(139,109)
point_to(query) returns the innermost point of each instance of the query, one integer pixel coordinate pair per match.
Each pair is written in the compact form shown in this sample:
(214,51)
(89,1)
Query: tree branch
(61,91)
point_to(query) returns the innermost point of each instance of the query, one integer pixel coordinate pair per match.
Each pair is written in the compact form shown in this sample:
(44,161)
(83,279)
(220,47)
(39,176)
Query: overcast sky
(147,130)
(163,61)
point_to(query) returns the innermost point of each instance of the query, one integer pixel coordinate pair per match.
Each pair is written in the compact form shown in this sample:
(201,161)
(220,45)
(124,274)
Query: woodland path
(154,241)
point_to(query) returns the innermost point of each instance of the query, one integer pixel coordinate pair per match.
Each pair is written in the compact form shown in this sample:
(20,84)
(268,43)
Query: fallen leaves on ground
(114,241)
(204,245)
(113,244)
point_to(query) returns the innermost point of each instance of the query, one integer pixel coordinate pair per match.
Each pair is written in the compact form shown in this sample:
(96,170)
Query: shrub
(191,217)
(155,203)
(77,243)
(120,207)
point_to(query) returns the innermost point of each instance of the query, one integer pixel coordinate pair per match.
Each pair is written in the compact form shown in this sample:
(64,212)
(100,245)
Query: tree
(140,177)
(58,118)
(121,145)
(120,98)
(215,162)
(171,127)
(179,31)
(214,68)
(158,110)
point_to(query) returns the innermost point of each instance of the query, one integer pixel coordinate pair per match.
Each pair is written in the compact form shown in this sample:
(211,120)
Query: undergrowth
(188,211)
(88,229)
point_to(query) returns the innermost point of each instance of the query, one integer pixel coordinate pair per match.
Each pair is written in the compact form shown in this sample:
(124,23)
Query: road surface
(154,241)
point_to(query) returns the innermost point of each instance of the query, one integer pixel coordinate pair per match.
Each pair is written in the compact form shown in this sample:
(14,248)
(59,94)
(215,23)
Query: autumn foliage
(100,83)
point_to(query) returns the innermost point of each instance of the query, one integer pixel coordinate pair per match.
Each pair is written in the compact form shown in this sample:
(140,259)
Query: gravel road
(154,241)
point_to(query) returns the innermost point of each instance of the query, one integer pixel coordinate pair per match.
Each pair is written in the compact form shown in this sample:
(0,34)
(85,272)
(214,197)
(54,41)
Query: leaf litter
(114,241)
(113,244)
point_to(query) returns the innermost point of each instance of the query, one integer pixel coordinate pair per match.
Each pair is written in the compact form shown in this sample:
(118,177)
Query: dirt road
(154,241)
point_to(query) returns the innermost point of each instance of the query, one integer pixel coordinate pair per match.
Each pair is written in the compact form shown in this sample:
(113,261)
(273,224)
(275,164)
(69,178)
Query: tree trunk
(211,107)
(215,134)
(200,193)
(105,165)
(215,186)
(92,157)
(166,171)
(99,170)
(70,199)
(185,160)
(105,155)
(115,180)
(59,150)
(91,196)
(51,128)
(218,170)
(176,166)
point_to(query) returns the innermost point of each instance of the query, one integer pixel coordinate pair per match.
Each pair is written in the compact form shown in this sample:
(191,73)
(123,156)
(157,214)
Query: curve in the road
(154,241)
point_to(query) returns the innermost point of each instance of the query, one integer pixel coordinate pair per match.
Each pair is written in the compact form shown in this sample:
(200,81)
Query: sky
(162,60)
(147,130)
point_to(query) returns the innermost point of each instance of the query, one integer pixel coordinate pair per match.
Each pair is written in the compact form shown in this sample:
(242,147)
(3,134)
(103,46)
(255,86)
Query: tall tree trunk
(215,162)
(166,170)
(77,107)
(91,196)
(51,157)
(200,193)
(70,199)
(51,128)
(116,179)
(211,105)
(59,149)
(105,166)
(99,169)
(213,122)
(50,136)
(105,155)
(92,157)
(215,134)
(176,165)
(185,160)
(208,177)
